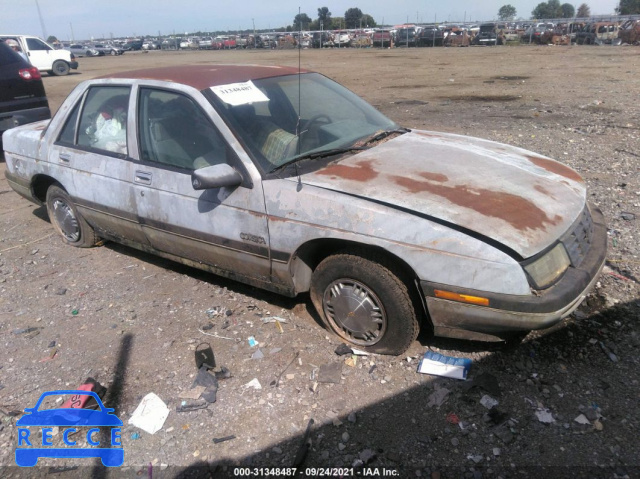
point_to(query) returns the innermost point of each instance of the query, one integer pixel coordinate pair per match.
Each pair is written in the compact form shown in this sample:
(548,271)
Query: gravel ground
(567,399)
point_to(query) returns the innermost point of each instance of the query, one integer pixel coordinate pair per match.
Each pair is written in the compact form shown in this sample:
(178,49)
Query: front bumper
(508,314)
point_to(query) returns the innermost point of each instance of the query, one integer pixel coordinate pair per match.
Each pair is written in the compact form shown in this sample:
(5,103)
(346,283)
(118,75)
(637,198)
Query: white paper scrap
(236,94)
(150,414)
(582,419)
(488,402)
(545,416)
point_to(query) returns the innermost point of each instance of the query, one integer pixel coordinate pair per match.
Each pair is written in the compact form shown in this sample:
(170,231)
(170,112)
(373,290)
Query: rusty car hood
(513,196)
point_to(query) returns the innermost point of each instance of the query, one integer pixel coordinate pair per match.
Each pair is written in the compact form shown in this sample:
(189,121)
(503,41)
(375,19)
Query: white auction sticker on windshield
(239,93)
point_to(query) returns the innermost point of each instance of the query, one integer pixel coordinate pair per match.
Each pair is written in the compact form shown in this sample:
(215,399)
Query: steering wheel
(314,119)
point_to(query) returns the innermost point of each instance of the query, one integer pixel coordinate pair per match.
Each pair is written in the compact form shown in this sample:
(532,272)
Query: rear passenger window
(68,134)
(175,131)
(103,121)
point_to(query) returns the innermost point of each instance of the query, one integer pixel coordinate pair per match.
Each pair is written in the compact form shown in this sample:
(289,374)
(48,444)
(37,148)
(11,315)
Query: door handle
(64,158)
(143,177)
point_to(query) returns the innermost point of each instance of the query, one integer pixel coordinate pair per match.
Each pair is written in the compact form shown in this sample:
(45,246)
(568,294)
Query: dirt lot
(132,321)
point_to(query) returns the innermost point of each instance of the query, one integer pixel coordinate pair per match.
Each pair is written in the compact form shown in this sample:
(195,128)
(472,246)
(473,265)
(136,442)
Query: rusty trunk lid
(521,199)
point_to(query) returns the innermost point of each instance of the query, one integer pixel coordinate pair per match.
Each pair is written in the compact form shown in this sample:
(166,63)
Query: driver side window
(173,130)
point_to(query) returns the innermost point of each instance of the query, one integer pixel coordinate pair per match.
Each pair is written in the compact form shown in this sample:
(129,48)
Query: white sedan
(288,181)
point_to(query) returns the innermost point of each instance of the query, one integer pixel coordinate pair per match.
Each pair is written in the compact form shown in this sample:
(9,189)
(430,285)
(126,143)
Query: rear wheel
(60,68)
(65,218)
(365,303)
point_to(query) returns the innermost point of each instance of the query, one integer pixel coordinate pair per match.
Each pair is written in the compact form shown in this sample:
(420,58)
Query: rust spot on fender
(440,178)
(555,167)
(544,191)
(519,212)
(363,171)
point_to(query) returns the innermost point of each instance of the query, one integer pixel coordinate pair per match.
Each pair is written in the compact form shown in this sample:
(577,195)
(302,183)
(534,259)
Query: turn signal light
(463,298)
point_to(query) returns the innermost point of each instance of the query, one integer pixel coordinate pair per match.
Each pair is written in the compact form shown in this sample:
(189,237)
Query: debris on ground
(150,414)
(330,373)
(448,366)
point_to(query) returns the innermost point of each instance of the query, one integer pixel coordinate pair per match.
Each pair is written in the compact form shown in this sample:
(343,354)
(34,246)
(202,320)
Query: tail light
(29,74)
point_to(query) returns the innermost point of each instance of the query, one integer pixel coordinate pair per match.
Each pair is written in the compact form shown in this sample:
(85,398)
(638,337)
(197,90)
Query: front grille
(577,241)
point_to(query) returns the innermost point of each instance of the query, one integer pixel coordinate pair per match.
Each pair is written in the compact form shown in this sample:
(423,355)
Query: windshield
(295,116)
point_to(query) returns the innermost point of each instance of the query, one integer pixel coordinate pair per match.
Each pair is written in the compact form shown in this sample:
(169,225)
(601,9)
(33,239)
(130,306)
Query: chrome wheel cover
(354,312)
(66,220)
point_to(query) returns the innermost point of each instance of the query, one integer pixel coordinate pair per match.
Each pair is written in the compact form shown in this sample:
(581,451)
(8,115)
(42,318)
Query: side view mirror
(215,176)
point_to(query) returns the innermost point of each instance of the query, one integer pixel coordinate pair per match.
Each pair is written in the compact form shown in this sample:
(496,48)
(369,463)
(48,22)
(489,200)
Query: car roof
(205,76)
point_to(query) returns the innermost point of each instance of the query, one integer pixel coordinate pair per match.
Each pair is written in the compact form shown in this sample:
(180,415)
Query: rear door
(90,156)
(225,228)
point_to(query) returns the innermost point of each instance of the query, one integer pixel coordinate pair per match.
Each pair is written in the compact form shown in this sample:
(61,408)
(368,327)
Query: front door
(225,228)
(39,54)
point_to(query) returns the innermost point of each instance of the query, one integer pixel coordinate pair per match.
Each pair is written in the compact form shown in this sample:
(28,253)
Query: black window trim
(234,161)
(81,103)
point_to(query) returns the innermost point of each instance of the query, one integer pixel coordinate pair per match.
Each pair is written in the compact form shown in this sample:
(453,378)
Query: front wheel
(65,218)
(60,68)
(365,303)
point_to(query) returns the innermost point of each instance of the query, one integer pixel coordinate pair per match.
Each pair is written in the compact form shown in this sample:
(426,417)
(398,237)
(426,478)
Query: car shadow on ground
(550,371)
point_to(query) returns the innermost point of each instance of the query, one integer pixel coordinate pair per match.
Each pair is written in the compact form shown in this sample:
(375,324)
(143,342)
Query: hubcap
(355,312)
(66,220)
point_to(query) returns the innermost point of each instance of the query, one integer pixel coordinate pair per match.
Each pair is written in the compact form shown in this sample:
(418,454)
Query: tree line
(353,18)
(553,9)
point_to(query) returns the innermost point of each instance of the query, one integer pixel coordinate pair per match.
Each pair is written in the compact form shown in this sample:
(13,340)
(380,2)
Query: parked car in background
(190,43)
(598,33)
(151,45)
(107,49)
(405,37)
(532,34)
(205,43)
(629,32)
(22,95)
(389,229)
(133,45)
(488,35)
(80,50)
(382,38)
(43,56)
(430,36)
(456,37)
(170,43)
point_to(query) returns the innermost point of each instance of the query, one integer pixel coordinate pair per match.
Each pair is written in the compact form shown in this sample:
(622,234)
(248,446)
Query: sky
(83,20)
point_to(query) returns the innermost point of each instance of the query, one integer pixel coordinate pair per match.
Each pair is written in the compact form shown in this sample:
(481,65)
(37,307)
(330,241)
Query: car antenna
(299,187)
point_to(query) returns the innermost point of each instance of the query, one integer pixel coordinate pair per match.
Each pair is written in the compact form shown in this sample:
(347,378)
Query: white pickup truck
(43,56)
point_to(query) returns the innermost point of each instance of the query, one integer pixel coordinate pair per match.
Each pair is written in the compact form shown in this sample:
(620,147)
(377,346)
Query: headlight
(547,269)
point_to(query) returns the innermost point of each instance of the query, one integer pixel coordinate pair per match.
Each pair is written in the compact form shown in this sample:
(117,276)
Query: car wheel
(114,53)
(60,68)
(365,303)
(65,218)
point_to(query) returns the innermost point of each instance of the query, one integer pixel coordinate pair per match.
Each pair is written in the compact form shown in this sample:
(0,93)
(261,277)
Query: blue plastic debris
(441,365)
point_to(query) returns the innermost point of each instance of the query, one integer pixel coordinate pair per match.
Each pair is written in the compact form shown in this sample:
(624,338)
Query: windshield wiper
(379,135)
(318,154)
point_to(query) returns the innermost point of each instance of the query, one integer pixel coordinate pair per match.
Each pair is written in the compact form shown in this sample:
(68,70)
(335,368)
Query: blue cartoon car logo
(31,447)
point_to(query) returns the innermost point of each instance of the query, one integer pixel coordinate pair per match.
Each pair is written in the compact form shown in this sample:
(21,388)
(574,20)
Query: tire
(365,303)
(64,216)
(60,68)
(114,53)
